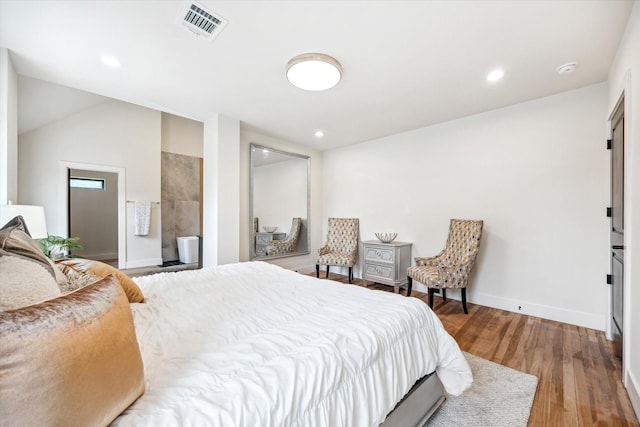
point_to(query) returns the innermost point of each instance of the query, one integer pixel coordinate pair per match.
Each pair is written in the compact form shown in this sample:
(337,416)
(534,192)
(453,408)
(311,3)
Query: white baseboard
(578,318)
(143,263)
(305,269)
(633,389)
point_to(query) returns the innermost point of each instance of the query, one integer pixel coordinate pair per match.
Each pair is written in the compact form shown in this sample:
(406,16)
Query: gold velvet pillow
(72,360)
(100,269)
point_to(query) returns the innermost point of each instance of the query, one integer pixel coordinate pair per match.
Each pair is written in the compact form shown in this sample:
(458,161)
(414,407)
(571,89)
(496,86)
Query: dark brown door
(617,224)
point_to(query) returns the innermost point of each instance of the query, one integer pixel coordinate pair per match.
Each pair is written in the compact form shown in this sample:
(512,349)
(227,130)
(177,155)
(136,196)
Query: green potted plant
(56,247)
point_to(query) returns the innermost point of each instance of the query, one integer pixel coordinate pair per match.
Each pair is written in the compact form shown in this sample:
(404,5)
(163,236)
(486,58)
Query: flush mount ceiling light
(319,134)
(567,68)
(495,75)
(314,71)
(110,61)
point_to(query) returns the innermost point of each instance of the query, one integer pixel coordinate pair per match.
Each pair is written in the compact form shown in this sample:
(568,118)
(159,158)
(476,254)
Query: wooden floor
(579,378)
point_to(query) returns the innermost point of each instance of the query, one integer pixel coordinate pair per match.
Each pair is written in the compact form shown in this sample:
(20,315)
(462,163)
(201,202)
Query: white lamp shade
(33,217)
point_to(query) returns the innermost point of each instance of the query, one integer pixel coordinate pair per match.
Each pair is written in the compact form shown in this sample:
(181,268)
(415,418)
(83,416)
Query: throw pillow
(16,240)
(77,280)
(100,269)
(72,360)
(24,283)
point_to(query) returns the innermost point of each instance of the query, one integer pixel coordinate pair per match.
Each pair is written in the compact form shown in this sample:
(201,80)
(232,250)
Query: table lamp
(33,217)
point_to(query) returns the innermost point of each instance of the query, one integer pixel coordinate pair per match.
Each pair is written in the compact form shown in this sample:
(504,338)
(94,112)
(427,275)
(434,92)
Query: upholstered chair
(289,243)
(341,248)
(452,266)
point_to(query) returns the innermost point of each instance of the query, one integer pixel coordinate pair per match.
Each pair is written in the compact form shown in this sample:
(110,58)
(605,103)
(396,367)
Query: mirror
(278,203)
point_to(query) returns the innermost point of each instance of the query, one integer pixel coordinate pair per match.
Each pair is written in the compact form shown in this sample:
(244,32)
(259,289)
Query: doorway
(617,226)
(93,214)
(181,193)
(64,199)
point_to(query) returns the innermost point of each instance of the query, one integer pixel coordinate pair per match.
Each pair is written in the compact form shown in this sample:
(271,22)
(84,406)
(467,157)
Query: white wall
(181,135)
(301,263)
(114,134)
(624,77)
(221,191)
(535,172)
(8,130)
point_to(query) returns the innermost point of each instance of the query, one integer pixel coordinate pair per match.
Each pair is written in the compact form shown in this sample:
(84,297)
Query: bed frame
(417,406)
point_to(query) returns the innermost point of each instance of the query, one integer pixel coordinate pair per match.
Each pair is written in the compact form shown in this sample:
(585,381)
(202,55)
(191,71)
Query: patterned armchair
(289,243)
(451,267)
(341,248)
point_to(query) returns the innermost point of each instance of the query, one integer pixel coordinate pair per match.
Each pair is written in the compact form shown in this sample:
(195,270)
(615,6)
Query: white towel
(142,218)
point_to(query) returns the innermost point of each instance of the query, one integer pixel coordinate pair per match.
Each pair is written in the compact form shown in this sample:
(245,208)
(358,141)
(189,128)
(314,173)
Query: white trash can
(188,249)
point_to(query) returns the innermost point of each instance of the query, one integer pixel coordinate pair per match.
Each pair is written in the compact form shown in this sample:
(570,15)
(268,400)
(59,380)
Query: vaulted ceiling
(407,64)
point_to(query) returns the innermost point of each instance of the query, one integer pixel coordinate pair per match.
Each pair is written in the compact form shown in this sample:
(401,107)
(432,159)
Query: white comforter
(252,344)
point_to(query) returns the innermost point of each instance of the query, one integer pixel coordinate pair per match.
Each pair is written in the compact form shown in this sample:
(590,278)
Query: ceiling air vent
(203,22)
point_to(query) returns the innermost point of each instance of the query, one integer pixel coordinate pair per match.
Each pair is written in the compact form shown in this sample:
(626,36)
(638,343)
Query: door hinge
(609,212)
(609,145)
(609,279)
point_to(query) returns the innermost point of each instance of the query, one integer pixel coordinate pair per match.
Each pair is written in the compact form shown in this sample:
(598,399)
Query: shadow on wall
(491,246)
(181,198)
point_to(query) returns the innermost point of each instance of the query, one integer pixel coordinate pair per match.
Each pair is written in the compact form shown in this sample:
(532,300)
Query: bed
(253,344)
(246,344)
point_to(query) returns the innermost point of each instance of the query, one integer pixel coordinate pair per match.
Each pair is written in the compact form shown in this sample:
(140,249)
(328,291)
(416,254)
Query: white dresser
(386,263)
(264,239)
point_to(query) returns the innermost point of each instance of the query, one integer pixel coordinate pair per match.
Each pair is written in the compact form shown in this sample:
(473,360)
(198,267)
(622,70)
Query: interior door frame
(617,239)
(629,272)
(63,205)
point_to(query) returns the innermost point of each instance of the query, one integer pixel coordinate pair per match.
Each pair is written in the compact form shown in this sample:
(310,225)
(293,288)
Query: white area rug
(499,396)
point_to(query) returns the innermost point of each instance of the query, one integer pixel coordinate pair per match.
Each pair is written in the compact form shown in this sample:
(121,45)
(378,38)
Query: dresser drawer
(377,271)
(263,239)
(379,254)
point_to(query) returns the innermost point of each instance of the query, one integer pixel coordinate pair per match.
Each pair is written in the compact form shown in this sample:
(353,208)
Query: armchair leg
(350,275)
(444,294)
(431,291)
(327,272)
(464,300)
(409,284)
(318,271)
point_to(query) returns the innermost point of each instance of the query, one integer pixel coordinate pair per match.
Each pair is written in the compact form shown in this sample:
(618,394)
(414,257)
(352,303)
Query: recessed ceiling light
(314,71)
(110,61)
(319,134)
(567,68)
(495,75)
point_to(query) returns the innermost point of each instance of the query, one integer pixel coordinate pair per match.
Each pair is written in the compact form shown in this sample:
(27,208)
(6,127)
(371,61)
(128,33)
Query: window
(86,183)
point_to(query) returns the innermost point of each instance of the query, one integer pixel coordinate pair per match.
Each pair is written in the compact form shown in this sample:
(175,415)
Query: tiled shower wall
(180,201)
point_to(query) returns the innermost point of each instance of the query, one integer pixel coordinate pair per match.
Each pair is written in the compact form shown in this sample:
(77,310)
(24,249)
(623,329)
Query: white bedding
(252,344)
